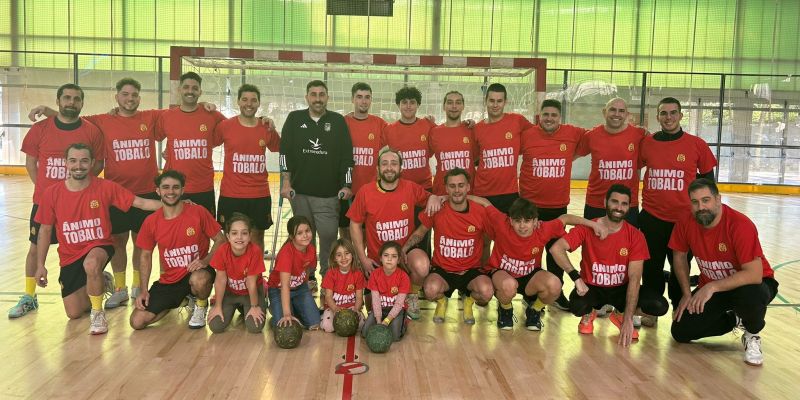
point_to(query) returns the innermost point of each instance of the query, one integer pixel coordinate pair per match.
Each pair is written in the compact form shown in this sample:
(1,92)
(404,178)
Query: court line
(776,268)
(350,356)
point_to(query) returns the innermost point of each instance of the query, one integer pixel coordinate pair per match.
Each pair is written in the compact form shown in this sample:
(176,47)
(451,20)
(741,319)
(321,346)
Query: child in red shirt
(389,285)
(344,286)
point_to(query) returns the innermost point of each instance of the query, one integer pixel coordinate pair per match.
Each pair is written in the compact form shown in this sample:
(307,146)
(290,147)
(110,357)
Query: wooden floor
(44,356)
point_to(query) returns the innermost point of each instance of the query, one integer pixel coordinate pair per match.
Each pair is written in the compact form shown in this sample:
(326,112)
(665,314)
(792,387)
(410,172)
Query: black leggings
(597,297)
(657,233)
(549,214)
(749,302)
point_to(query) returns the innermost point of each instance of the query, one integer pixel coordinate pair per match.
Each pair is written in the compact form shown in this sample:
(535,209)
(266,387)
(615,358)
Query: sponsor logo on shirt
(143,128)
(517,267)
(509,136)
(236,284)
(471,228)
(456,248)
(387,301)
(262,143)
(316,148)
(81,231)
(203,128)
(562,147)
(403,207)
(466,140)
(454,159)
(535,251)
(623,252)
(722,247)
(350,287)
(499,158)
(414,159)
(190,149)
(549,167)
(681,157)
(394,290)
(94,204)
(344,298)
(190,231)
(296,281)
(423,138)
(630,147)
(392,230)
(56,168)
(363,156)
(371,136)
(303,126)
(249,163)
(609,275)
(135,149)
(615,170)
(715,270)
(666,179)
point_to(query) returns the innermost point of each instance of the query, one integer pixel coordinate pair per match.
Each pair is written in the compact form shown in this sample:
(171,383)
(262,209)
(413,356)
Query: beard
(704,217)
(613,217)
(69,112)
(389,179)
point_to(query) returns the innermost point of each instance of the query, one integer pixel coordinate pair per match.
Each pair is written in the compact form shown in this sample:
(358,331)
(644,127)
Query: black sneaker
(694,280)
(562,303)
(505,318)
(533,320)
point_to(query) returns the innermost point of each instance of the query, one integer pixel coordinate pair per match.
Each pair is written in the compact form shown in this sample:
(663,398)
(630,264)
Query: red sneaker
(586,326)
(617,319)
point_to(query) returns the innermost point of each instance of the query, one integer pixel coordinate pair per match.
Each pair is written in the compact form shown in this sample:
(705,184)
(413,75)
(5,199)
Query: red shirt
(389,286)
(343,285)
(544,176)
(412,142)
(293,261)
(47,143)
(366,137)
(720,251)
(615,159)
(238,268)
(498,146)
(245,173)
(387,215)
(191,138)
(81,219)
(519,256)
(671,167)
(605,263)
(180,240)
(453,147)
(457,236)
(130,149)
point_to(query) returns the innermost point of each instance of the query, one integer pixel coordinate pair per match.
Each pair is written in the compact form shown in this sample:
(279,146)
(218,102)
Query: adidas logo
(303,126)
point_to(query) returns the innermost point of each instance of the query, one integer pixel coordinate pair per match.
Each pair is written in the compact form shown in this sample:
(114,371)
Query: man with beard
(79,209)
(458,244)
(182,232)
(191,136)
(245,179)
(386,208)
(44,148)
(316,160)
(544,179)
(610,269)
(736,281)
(452,143)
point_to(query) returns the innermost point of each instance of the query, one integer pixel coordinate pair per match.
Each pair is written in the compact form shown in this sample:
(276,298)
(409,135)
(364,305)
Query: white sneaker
(117,299)
(637,321)
(413,311)
(198,319)
(752,349)
(98,324)
(108,283)
(135,291)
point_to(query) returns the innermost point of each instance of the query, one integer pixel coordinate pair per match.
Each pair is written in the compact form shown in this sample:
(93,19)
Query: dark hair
(128,81)
(79,146)
(444,101)
(497,88)
(348,245)
(408,93)
(523,209)
(551,103)
(191,75)
(238,217)
(700,183)
(456,172)
(359,86)
(171,173)
(669,100)
(248,88)
(294,223)
(618,188)
(316,83)
(69,86)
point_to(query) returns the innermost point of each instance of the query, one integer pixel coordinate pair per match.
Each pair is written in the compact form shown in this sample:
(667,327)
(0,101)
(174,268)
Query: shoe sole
(437,320)
(196,327)
(98,333)
(502,328)
(533,328)
(753,364)
(112,305)
(469,321)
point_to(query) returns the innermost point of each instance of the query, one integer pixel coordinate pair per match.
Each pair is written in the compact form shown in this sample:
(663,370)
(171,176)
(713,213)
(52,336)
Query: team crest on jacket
(203,128)
(623,251)
(535,251)
(94,204)
(722,247)
(262,143)
(562,147)
(190,231)
(143,128)
(371,136)
(681,157)
(327,127)
(351,287)
(509,135)
(395,290)
(471,228)
(466,140)
(630,146)
(403,207)
(423,138)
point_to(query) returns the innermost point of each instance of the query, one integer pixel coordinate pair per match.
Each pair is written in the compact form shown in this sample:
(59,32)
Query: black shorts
(131,220)
(34,228)
(457,281)
(258,209)
(205,199)
(344,205)
(503,202)
(171,295)
(73,276)
(522,281)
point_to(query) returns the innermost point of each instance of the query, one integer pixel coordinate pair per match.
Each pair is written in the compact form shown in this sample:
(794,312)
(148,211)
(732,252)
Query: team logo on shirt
(623,251)
(394,290)
(471,228)
(535,251)
(190,231)
(262,143)
(630,147)
(143,128)
(351,287)
(327,127)
(423,138)
(722,247)
(509,136)
(371,136)
(562,147)
(466,140)
(315,145)
(94,204)
(681,158)
(404,207)
(203,128)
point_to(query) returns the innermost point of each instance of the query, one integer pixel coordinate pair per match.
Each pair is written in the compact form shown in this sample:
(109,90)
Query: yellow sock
(441,308)
(538,305)
(97,302)
(119,280)
(415,289)
(201,303)
(508,306)
(468,302)
(136,280)
(30,286)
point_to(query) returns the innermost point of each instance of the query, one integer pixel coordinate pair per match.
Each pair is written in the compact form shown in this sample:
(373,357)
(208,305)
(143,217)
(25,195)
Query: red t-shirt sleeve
(218,259)
(524,123)
(372,284)
(745,242)
(576,236)
(120,197)
(426,220)
(706,160)
(494,219)
(582,148)
(210,226)
(256,262)
(553,229)
(360,282)
(328,280)
(357,212)
(421,195)
(45,214)
(273,141)
(146,238)
(283,262)
(30,144)
(678,240)
(217,135)
(404,285)
(639,250)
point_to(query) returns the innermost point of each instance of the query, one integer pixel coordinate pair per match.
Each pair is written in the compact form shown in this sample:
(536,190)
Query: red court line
(347,388)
